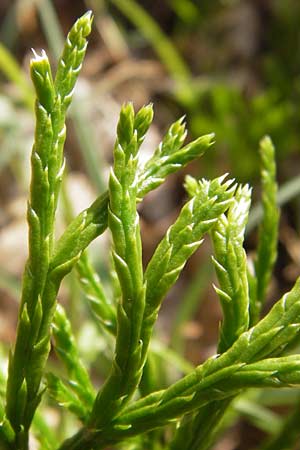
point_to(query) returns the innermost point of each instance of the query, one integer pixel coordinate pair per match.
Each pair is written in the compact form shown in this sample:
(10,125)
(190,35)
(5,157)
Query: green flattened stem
(206,385)
(231,267)
(39,291)
(169,157)
(209,200)
(123,222)
(89,224)
(267,338)
(268,231)
(243,365)
(31,348)
(73,54)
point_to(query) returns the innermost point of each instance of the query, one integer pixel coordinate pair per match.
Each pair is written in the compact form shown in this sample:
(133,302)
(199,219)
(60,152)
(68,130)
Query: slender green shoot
(268,231)
(139,403)
(231,267)
(32,346)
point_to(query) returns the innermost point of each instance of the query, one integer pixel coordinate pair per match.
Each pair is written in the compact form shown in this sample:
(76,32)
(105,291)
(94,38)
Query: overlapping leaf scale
(268,230)
(231,268)
(127,254)
(209,200)
(168,158)
(73,54)
(207,384)
(39,292)
(246,364)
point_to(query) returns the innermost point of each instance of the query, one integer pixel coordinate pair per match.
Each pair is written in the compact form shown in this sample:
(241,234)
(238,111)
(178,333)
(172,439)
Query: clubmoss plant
(130,404)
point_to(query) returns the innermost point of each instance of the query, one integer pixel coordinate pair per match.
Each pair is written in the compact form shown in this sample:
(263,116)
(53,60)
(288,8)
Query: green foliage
(268,231)
(32,347)
(131,405)
(209,200)
(231,267)
(127,255)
